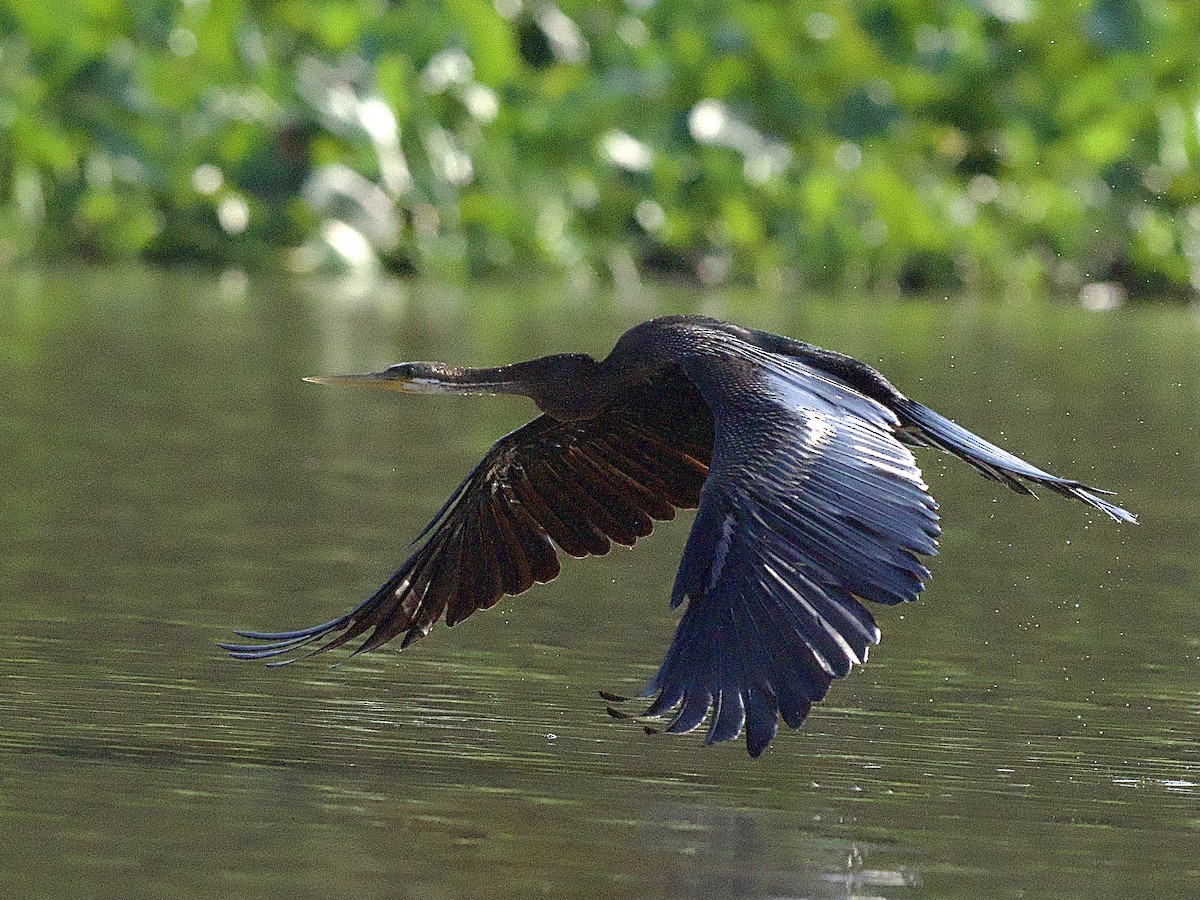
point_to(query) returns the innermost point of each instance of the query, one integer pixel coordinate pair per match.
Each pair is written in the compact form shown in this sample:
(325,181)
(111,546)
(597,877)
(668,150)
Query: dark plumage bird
(809,498)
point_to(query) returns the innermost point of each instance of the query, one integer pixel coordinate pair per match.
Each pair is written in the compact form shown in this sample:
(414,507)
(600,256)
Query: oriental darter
(809,499)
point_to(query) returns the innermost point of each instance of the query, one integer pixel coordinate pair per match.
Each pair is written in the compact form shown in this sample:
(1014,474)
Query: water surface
(1029,728)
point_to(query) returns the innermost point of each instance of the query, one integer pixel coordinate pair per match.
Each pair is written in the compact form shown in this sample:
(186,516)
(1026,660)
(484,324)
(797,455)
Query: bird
(797,459)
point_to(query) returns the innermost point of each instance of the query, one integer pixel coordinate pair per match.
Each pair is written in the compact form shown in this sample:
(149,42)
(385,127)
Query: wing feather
(582,502)
(811,504)
(554,510)
(630,522)
(653,502)
(577,485)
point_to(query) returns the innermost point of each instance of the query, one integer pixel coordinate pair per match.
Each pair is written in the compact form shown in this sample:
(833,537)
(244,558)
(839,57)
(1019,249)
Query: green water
(1031,727)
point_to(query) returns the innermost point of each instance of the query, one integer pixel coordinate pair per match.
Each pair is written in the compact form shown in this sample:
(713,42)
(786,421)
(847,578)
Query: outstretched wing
(811,503)
(579,485)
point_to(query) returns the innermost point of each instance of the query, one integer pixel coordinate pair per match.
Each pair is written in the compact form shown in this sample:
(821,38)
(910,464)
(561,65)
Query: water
(1028,728)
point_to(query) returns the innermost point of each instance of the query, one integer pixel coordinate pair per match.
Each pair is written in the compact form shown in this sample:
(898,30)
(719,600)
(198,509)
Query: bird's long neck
(566,386)
(439,378)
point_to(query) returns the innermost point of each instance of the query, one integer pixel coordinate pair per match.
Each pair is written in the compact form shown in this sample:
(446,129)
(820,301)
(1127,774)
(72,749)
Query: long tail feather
(935,430)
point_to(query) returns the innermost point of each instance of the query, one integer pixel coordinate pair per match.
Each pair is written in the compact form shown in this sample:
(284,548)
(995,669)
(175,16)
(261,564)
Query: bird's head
(408,378)
(567,385)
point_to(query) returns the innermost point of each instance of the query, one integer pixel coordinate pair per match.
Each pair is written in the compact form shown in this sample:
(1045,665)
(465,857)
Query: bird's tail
(922,427)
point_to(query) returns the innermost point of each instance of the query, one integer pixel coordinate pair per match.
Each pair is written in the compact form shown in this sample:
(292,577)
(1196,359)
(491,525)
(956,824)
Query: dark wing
(579,485)
(810,504)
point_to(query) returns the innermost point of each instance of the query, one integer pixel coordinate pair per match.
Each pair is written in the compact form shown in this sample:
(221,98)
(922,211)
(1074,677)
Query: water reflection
(1027,726)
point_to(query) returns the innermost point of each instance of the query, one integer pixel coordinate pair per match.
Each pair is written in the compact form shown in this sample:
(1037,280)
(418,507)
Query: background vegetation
(906,145)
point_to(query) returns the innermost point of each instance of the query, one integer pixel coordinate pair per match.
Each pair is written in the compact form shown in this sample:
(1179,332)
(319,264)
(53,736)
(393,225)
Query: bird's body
(797,457)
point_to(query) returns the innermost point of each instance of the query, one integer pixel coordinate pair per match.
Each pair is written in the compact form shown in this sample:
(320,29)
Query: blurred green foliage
(911,144)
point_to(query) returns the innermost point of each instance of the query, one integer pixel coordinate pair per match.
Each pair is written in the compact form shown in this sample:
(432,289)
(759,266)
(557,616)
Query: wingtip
(270,644)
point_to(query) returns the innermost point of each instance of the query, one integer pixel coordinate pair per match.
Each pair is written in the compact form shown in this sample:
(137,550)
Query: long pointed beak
(367,379)
(394,379)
